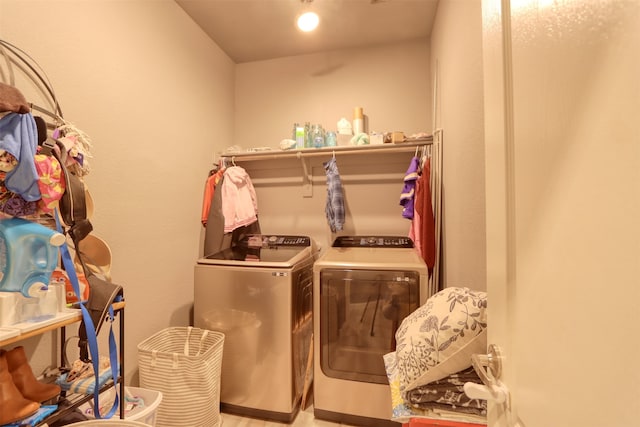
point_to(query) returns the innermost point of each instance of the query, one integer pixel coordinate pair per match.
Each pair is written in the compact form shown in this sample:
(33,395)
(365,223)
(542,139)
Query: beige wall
(456,56)
(391,83)
(156,96)
(322,88)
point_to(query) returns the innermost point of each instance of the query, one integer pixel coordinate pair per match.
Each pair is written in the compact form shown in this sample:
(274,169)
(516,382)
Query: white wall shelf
(402,147)
(306,153)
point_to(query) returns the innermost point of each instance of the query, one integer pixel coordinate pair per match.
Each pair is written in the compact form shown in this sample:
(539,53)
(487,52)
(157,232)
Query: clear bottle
(330,139)
(293,133)
(299,136)
(318,136)
(308,137)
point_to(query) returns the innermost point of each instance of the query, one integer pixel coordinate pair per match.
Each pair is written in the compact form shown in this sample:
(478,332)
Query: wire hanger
(424,155)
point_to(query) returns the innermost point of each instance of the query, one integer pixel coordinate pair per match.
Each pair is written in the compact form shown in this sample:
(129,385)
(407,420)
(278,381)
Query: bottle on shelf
(308,137)
(318,136)
(358,121)
(330,139)
(299,136)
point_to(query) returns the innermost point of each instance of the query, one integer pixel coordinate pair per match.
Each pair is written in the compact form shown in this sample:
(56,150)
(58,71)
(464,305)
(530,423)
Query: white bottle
(358,121)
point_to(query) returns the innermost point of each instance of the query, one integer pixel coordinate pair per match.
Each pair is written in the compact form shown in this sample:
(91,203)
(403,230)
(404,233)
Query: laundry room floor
(304,419)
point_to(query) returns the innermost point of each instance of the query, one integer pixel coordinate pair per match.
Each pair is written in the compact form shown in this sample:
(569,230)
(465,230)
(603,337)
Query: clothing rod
(328,151)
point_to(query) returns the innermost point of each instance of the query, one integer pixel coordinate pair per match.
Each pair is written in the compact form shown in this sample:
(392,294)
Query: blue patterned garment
(19,137)
(335,198)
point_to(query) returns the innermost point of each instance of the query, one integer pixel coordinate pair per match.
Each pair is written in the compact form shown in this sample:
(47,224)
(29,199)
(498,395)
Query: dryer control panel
(372,242)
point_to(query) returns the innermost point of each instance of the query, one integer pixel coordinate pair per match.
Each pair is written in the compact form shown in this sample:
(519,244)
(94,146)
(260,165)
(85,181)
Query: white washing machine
(363,287)
(259,294)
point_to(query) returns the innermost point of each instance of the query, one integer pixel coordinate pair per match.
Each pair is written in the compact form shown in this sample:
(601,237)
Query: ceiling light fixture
(308,21)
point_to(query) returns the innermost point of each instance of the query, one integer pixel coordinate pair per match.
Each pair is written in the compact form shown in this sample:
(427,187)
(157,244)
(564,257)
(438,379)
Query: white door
(562,120)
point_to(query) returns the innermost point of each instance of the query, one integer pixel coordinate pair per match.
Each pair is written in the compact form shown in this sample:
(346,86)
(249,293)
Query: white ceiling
(256,30)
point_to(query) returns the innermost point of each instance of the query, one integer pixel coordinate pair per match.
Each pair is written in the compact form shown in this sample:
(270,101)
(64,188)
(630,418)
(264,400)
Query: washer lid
(263,251)
(370,258)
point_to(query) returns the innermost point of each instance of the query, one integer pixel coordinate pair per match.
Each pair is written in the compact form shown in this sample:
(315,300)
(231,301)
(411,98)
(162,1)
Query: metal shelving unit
(66,403)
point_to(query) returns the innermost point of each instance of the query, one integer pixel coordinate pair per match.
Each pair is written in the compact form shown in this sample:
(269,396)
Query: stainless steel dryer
(363,288)
(259,294)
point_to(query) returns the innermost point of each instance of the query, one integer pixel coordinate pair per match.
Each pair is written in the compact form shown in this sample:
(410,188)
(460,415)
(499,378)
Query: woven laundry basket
(184,363)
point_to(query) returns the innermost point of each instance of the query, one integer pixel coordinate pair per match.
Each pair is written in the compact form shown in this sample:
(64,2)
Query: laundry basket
(110,423)
(139,404)
(184,363)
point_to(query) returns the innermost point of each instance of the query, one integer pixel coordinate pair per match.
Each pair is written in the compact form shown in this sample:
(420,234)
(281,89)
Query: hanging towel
(408,189)
(334,208)
(422,231)
(239,201)
(19,137)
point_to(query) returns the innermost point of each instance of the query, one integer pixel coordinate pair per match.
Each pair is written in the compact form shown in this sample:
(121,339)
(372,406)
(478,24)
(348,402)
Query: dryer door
(360,311)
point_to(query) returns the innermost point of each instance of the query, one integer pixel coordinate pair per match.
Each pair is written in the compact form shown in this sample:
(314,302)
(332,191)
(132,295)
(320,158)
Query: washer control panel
(372,242)
(288,240)
(267,240)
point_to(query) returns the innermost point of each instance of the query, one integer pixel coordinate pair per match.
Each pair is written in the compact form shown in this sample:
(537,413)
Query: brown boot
(24,379)
(13,406)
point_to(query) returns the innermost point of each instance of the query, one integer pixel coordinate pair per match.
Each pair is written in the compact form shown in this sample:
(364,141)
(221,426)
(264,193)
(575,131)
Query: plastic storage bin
(140,413)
